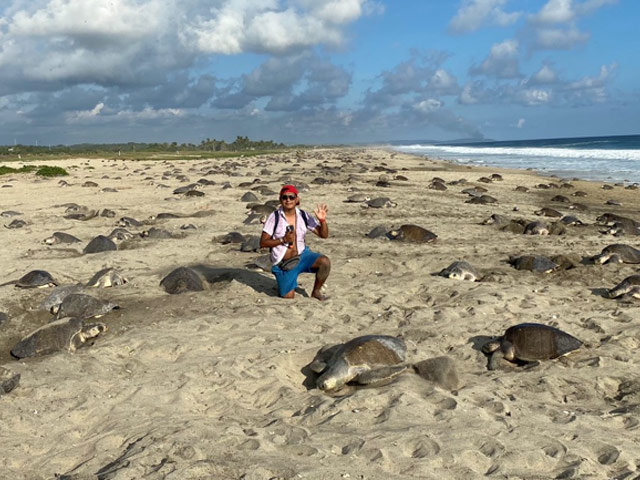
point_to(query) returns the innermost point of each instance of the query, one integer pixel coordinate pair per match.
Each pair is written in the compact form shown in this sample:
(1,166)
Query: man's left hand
(321,212)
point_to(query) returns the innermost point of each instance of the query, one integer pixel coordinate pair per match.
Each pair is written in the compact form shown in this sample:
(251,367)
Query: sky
(316,71)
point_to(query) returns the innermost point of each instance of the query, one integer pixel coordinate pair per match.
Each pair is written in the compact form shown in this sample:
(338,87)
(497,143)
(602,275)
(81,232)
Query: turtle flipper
(494,360)
(319,363)
(380,375)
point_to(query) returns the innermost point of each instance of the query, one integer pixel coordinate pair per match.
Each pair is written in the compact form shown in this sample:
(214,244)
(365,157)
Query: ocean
(615,158)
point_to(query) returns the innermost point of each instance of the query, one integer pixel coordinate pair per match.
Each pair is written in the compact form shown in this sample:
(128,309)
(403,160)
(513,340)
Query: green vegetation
(142,151)
(47,171)
(44,171)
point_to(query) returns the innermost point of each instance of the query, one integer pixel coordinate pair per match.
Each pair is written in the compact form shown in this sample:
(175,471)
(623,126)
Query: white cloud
(559,38)
(520,123)
(555,11)
(50,44)
(545,75)
(502,61)
(429,105)
(466,96)
(555,25)
(473,14)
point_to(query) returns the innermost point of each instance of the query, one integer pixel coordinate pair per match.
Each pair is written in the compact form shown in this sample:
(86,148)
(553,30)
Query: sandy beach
(213,384)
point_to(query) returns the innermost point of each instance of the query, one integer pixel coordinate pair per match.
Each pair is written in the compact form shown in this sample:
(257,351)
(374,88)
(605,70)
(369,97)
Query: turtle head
(328,383)
(491,346)
(92,330)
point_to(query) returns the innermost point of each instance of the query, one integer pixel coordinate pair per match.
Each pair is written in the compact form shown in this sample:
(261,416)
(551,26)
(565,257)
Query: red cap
(289,188)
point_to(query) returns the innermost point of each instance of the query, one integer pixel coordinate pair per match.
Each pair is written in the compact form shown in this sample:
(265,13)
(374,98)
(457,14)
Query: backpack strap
(275,225)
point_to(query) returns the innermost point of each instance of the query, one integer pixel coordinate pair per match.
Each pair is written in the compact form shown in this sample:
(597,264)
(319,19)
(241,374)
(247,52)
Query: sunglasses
(287,197)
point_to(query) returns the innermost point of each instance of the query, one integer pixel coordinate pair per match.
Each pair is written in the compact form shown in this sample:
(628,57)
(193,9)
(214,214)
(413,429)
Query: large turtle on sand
(107,277)
(530,342)
(64,334)
(617,253)
(82,306)
(367,360)
(460,270)
(182,279)
(33,279)
(629,286)
(533,263)
(412,234)
(374,360)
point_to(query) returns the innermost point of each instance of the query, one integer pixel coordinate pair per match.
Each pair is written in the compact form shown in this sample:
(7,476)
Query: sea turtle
(262,209)
(412,234)
(379,202)
(474,191)
(64,334)
(533,263)
(513,226)
(57,295)
(194,193)
(622,227)
(460,270)
(231,237)
(571,220)
(82,215)
(548,212)
(250,244)
(626,286)
(182,279)
(120,234)
(33,279)
(187,188)
(61,237)
(482,200)
(521,189)
(617,253)
(367,360)
(263,262)
(164,216)
(100,244)
(16,223)
(82,306)
(560,199)
(497,220)
(441,187)
(377,232)
(249,197)
(357,198)
(126,222)
(107,277)
(530,342)
(536,228)
(10,213)
(156,234)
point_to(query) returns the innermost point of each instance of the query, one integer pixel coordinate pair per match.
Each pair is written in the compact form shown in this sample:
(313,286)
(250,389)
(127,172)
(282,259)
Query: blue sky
(316,71)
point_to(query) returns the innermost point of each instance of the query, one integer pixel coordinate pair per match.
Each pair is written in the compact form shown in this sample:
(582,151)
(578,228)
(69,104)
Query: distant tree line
(210,145)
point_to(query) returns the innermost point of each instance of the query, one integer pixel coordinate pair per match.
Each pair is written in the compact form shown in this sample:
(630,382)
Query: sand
(213,384)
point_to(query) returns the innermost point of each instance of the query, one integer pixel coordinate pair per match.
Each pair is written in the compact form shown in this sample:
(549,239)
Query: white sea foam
(591,163)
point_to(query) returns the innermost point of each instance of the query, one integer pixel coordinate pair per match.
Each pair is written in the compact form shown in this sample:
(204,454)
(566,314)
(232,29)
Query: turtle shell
(534,341)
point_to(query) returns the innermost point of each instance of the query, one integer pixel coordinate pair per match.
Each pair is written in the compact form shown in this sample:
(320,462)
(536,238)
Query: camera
(289,228)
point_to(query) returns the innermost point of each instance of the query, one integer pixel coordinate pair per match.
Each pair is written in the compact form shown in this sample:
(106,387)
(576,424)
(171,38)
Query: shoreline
(212,384)
(560,174)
